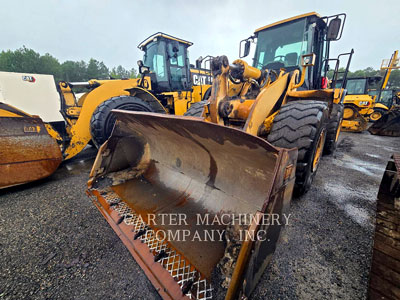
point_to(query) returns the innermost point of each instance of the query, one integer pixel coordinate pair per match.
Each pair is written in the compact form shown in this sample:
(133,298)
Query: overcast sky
(111,30)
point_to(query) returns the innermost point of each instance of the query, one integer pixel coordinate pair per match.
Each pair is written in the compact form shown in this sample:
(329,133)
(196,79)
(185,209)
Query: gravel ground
(54,244)
(325,251)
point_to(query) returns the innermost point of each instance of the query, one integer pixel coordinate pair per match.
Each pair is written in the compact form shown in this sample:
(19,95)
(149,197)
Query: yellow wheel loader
(168,85)
(358,103)
(230,157)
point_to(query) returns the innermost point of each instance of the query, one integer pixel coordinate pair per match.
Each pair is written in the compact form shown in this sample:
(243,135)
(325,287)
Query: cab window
(176,54)
(154,58)
(356,86)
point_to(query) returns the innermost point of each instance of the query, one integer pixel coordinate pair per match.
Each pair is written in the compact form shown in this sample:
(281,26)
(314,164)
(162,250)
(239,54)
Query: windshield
(386,97)
(356,86)
(154,58)
(281,46)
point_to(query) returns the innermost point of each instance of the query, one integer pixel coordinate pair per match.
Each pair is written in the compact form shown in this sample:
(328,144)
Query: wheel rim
(375,116)
(318,151)
(348,113)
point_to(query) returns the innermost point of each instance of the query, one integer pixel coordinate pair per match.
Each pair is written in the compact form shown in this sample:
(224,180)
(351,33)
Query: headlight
(364,103)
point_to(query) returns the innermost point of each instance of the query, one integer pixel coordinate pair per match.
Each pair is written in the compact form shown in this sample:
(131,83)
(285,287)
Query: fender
(145,95)
(80,131)
(380,105)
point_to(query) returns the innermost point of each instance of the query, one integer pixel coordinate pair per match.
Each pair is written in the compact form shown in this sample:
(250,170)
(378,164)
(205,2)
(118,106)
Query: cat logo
(31,129)
(28,78)
(199,79)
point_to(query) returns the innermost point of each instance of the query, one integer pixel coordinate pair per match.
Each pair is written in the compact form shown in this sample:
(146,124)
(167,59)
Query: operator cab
(282,44)
(166,62)
(387,97)
(359,85)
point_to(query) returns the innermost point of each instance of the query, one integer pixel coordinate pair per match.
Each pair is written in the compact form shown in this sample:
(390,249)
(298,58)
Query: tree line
(29,61)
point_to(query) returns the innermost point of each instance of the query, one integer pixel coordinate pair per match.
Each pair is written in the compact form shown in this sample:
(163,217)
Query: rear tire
(196,109)
(102,121)
(333,129)
(302,125)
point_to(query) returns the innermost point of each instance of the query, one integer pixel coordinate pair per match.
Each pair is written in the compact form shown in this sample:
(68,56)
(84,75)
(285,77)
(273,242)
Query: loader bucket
(162,181)
(27,152)
(388,124)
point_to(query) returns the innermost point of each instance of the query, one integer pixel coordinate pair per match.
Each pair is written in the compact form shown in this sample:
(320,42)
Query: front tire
(102,121)
(302,125)
(196,109)
(333,129)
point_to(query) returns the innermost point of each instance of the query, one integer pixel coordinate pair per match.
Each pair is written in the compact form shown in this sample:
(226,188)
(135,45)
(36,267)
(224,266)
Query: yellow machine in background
(358,103)
(384,99)
(167,85)
(235,154)
(387,99)
(389,123)
(361,105)
(386,114)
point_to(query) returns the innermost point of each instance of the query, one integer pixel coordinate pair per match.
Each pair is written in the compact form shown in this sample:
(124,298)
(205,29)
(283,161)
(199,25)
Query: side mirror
(333,29)
(140,63)
(198,62)
(246,49)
